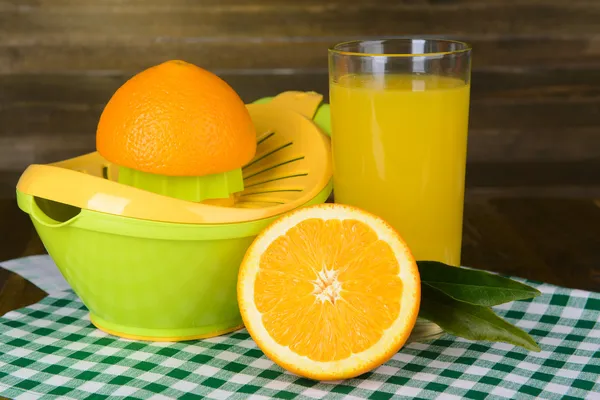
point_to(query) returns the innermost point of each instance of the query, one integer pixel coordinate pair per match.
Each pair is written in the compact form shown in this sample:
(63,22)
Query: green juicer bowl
(148,280)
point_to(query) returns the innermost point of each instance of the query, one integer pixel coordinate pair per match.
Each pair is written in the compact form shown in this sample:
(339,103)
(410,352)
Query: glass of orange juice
(399,119)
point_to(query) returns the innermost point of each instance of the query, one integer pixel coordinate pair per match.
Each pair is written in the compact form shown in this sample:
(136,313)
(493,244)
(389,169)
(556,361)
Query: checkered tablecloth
(50,350)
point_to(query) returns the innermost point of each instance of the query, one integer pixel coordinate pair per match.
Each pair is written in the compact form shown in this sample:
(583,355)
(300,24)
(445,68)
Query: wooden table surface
(554,240)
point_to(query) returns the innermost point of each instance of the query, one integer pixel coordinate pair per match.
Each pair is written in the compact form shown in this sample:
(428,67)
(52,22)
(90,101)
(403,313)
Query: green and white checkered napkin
(51,350)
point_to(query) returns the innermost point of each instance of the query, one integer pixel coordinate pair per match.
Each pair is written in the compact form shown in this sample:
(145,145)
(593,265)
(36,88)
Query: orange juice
(399,150)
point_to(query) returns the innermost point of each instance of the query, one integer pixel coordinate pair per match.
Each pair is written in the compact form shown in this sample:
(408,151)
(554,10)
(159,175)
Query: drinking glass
(399,115)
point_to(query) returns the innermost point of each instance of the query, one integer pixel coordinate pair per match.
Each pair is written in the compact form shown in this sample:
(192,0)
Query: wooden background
(535,117)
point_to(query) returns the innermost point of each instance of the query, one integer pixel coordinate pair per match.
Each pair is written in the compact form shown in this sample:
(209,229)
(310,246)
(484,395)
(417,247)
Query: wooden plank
(97,88)
(337,18)
(534,144)
(118,5)
(491,116)
(8,182)
(544,84)
(492,85)
(536,115)
(501,147)
(135,54)
(142,6)
(17,232)
(533,174)
(17,152)
(71,133)
(567,191)
(570,97)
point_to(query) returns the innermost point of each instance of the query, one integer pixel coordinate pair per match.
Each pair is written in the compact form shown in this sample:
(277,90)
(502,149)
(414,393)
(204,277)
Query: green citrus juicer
(155,267)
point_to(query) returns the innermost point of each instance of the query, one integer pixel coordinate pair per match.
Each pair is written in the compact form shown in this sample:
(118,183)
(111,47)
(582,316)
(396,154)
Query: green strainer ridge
(190,188)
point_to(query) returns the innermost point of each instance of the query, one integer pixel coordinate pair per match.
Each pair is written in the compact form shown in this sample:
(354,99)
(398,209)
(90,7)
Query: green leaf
(472,286)
(471,321)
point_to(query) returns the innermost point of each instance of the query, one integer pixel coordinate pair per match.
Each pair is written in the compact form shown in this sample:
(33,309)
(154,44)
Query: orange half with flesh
(329,292)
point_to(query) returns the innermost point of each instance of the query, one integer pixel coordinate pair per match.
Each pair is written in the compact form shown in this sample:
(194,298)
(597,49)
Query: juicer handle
(49,213)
